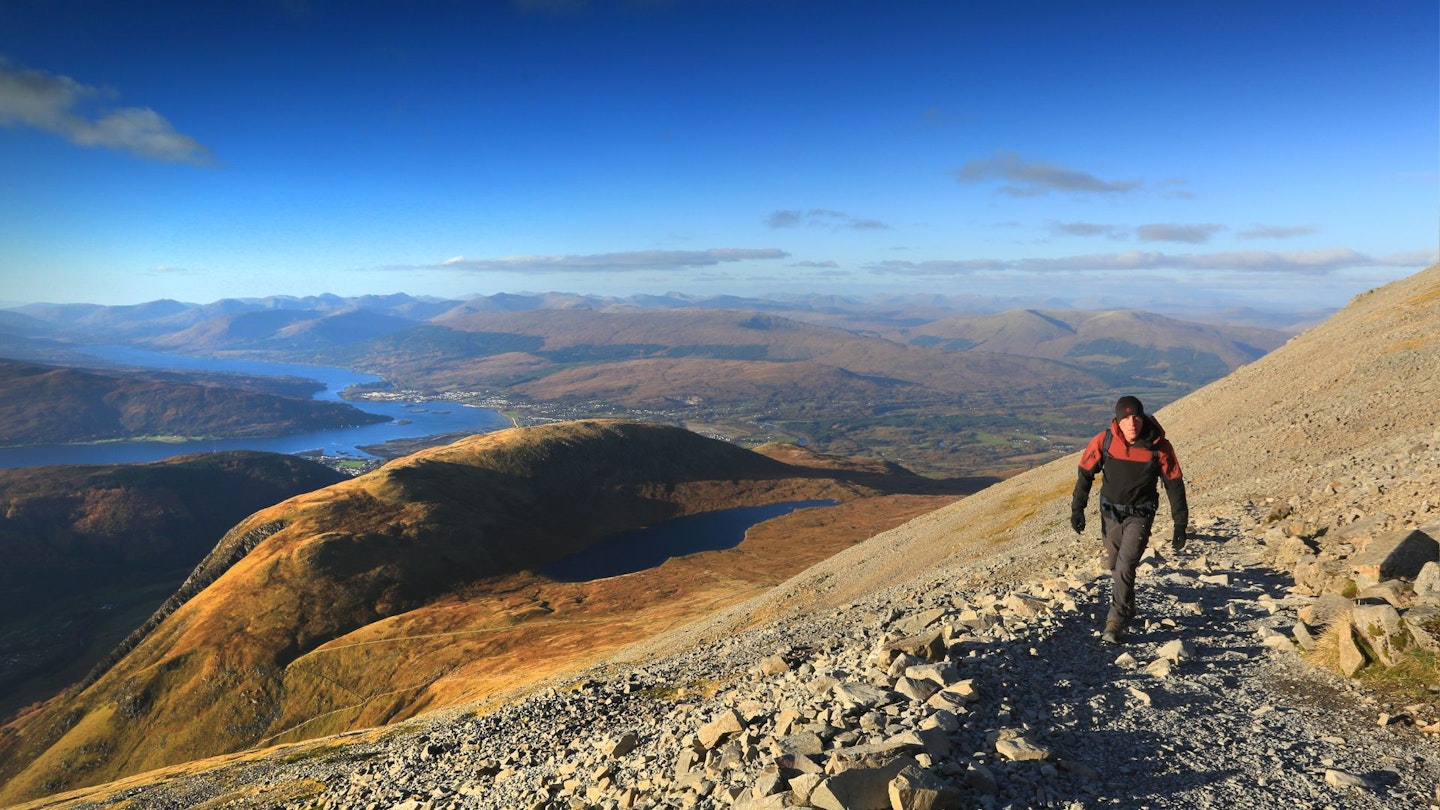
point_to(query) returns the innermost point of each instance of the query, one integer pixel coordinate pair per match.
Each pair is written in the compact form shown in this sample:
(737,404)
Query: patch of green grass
(1411,677)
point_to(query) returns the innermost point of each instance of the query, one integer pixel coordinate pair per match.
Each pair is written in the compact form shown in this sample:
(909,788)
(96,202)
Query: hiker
(1134,454)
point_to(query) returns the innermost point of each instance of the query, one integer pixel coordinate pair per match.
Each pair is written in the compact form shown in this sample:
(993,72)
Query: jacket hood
(1150,432)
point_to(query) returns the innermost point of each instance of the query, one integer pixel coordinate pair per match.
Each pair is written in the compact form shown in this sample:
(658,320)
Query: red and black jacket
(1131,472)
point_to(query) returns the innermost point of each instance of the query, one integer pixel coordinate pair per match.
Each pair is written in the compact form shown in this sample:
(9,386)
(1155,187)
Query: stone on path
(622,746)
(981,779)
(1352,658)
(859,788)
(917,789)
(1344,780)
(1017,747)
(863,696)
(1176,651)
(726,724)
(1160,668)
(1303,637)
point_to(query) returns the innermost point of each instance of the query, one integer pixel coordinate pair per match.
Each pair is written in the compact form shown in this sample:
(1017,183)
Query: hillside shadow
(638,550)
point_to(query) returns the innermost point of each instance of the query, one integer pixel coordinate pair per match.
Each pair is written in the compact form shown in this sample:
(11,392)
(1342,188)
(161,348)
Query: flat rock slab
(1021,748)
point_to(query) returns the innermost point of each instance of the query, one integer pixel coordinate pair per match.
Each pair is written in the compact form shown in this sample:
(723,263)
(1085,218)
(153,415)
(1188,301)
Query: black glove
(1177,541)
(1077,520)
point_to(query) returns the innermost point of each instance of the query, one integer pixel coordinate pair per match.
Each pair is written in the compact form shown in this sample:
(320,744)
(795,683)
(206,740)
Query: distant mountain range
(946,390)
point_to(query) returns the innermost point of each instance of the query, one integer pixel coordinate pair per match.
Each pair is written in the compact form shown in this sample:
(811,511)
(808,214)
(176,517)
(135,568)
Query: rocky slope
(954,661)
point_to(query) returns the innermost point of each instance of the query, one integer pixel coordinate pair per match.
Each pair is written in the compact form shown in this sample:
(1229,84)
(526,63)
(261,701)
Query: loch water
(637,550)
(408,419)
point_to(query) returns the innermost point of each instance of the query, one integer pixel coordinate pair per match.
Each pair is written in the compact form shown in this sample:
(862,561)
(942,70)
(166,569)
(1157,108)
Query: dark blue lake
(645,548)
(409,419)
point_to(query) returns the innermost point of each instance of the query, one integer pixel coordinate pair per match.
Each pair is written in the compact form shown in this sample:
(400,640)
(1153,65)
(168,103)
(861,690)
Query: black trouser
(1126,537)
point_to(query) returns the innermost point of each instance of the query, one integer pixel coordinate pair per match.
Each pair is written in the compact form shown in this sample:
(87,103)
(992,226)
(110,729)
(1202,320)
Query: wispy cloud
(1087,229)
(1171,232)
(1304,262)
(1277,232)
(56,104)
(168,270)
(1175,188)
(631,261)
(823,218)
(828,264)
(1028,178)
(1155,232)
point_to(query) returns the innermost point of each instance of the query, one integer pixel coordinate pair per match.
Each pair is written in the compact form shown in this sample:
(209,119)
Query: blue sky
(1275,154)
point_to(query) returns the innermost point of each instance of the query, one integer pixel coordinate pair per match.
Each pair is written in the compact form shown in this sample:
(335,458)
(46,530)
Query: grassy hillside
(410,587)
(49,404)
(750,376)
(1120,344)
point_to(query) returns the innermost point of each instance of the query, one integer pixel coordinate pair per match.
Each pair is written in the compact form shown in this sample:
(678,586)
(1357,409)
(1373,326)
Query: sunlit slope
(379,557)
(642,356)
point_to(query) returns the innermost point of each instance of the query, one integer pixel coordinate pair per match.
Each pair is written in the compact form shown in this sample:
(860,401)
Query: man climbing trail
(1134,454)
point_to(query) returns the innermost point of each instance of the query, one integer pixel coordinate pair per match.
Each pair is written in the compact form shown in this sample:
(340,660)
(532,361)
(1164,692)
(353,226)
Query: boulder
(1352,657)
(863,697)
(1382,630)
(912,625)
(1423,623)
(925,646)
(1393,592)
(1324,611)
(859,788)
(626,743)
(1304,639)
(1017,747)
(728,723)
(804,785)
(981,779)
(1316,576)
(1427,582)
(917,690)
(1396,555)
(916,789)
(874,755)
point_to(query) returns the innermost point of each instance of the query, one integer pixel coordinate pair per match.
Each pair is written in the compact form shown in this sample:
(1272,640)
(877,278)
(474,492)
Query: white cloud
(1277,232)
(824,218)
(53,104)
(1086,229)
(1171,232)
(1305,262)
(1034,178)
(631,261)
(828,264)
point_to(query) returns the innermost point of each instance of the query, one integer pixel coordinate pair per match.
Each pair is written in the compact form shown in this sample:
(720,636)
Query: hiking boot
(1114,632)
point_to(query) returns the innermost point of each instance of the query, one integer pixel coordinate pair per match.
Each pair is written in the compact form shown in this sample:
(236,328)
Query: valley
(944,391)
